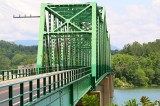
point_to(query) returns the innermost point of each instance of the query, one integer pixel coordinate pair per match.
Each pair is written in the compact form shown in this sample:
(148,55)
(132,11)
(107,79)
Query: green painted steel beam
(40,41)
(94,43)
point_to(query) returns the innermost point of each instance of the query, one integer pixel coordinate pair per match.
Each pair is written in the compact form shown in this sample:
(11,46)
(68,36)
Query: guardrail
(26,91)
(19,73)
(15,73)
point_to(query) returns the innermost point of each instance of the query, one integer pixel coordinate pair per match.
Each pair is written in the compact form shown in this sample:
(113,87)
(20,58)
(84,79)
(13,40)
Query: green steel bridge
(73,59)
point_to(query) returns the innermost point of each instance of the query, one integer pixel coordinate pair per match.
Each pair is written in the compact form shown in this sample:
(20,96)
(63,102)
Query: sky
(127,20)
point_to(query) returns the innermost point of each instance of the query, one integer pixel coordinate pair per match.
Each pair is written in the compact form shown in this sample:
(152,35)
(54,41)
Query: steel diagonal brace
(55,13)
(76,26)
(59,27)
(80,12)
(68,32)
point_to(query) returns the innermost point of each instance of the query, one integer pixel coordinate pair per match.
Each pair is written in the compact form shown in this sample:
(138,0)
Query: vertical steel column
(23,72)
(3,75)
(26,71)
(29,72)
(30,91)
(40,41)
(12,74)
(38,88)
(16,73)
(71,95)
(22,95)
(20,73)
(62,78)
(68,77)
(54,82)
(49,52)
(53,58)
(58,81)
(10,95)
(44,86)
(49,82)
(94,49)
(7,75)
(65,76)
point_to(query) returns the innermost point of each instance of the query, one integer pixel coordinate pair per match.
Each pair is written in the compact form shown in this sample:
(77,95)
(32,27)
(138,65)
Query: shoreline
(140,87)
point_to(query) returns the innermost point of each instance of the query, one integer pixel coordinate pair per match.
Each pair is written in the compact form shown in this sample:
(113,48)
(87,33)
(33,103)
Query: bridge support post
(111,87)
(10,95)
(106,89)
(103,87)
(71,95)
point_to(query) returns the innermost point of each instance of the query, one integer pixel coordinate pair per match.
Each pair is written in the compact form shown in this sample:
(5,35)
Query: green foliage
(144,101)
(4,62)
(138,64)
(132,102)
(118,82)
(12,55)
(157,77)
(140,78)
(90,100)
(113,52)
(112,104)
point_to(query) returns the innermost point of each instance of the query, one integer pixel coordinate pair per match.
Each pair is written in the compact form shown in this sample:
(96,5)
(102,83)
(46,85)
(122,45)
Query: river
(122,95)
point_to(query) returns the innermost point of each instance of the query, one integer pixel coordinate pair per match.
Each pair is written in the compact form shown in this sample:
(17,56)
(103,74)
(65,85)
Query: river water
(122,95)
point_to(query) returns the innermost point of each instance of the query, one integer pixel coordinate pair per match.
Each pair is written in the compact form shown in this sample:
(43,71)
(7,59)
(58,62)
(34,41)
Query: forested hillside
(12,55)
(137,64)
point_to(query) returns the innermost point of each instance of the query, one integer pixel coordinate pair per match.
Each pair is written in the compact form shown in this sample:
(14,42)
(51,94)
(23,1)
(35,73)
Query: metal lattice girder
(74,35)
(65,35)
(72,38)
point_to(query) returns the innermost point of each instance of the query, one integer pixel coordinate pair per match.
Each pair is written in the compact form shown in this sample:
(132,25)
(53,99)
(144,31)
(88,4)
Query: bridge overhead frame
(73,36)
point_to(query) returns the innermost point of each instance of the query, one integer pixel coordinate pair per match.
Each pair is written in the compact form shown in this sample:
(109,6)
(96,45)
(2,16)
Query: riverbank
(124,84)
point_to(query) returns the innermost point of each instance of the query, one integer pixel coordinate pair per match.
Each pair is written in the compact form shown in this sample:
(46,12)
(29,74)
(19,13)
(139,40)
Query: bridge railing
(26,91)
(25,72)
(16,73)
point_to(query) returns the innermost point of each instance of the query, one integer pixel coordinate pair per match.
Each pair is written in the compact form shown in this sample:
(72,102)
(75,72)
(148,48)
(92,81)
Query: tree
(156,79)
(132,102)
(90,100)
(138,64)
(17,59)
(4,63)
(140,78)
(124,65)
(13,55)
(133,49)
(150,73)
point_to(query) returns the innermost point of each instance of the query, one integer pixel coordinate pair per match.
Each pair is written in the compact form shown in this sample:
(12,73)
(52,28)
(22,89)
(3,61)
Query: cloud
(135,22)
(126,22)
(156,2)
(22,29)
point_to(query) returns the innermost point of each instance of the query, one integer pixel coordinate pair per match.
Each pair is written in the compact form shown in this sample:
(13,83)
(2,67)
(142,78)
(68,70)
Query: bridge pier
(104,91)
(105,87)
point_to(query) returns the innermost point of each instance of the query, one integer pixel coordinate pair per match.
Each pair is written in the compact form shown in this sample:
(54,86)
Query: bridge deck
(24,90)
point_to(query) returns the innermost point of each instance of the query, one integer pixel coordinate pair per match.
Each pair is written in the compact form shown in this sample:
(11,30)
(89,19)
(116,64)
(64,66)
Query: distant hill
(19,52)
(114,47)
(35,42)
(26,42)
(12,55)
